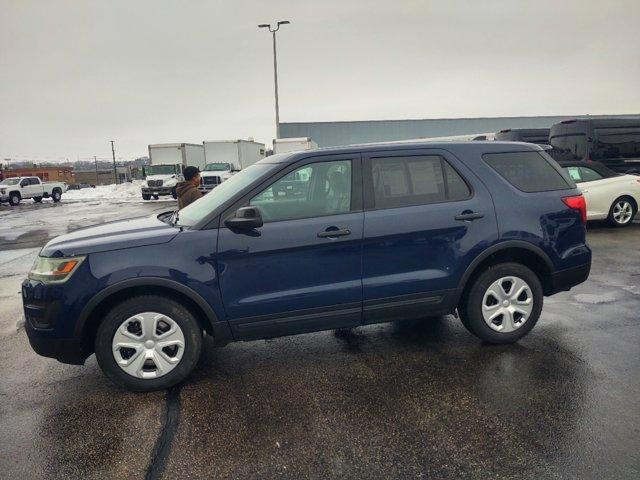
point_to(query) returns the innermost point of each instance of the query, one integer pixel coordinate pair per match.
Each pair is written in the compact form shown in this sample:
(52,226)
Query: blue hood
(136,232)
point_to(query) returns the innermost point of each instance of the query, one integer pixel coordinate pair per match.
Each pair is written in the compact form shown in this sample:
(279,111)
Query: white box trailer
(225,157)
(185,154)
(168,161)
(284,145)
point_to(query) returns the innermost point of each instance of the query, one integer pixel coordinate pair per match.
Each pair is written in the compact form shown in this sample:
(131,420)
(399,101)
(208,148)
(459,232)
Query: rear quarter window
(527,171)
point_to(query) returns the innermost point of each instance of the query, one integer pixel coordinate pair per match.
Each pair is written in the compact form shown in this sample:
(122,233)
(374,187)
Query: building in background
(330,134)
(46,174)
(104,176)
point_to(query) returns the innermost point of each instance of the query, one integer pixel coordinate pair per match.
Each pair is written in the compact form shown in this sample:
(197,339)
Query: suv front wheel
(503,304)
(148,343)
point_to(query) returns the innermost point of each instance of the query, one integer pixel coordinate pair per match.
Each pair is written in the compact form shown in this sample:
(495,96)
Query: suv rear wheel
(148,343)
(503,304)
(56,195)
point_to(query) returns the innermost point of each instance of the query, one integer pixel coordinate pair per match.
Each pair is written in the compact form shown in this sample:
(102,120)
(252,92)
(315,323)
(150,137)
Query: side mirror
(245,218)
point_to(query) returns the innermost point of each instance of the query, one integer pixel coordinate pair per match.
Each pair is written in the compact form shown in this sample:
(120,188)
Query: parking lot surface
(421,399)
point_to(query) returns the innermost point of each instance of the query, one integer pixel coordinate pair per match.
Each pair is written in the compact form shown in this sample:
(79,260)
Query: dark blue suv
(315,240)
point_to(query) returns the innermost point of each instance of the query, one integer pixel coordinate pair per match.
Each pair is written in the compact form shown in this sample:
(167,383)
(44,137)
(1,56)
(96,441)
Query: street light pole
(275,66)
(113,154)
(96,162)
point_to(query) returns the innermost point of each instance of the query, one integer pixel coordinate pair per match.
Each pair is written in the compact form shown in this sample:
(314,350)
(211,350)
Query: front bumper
(158,190)
(563,280)
(42,309)
(65,350)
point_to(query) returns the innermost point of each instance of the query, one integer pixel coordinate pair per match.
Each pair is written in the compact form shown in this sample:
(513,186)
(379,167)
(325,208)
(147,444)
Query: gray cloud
(74,74)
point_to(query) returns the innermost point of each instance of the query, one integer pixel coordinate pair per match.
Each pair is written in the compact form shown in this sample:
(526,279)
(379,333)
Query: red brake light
(578,203)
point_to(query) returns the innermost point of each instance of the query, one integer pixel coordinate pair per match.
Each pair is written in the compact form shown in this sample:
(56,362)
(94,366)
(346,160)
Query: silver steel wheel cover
(507,304)
(148,345)
(622,211)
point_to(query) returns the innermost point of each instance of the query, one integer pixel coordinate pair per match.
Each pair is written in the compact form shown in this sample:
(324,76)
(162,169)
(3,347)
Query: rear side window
(527,171)
(589,175)
(415,180)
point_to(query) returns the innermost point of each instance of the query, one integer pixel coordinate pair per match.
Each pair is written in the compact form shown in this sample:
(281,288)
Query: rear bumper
(563,280)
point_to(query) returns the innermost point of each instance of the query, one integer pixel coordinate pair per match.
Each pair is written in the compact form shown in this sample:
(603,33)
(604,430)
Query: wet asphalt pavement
(420,399)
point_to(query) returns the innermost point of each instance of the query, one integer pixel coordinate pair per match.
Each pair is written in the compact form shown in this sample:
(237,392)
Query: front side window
(314,190)
(201,208)
(415,180)
(527,171)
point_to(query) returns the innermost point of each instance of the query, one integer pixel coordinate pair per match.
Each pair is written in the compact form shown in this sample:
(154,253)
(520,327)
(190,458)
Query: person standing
(188,190)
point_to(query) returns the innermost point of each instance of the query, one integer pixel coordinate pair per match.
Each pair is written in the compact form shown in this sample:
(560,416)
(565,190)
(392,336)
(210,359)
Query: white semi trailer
(168,160)
(284,145)
(226,157)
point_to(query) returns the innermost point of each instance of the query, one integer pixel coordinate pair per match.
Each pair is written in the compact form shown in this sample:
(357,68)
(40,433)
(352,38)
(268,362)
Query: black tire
(56,195)
(136,305)
(174,194)
(471,304)
(146,196)
(619,201)
(37,199)
(14,199)
(156,197)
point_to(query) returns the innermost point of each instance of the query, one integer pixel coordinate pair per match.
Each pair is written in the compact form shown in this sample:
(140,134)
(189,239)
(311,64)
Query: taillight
(577,202)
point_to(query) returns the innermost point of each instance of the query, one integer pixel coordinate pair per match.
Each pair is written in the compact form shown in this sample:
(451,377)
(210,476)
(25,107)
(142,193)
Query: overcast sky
(75,74)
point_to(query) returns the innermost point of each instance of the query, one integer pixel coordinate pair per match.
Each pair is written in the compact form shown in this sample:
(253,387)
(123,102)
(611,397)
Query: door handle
(469,216)
(334,233)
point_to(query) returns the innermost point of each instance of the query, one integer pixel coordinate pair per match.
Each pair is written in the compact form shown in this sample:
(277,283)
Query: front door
(426,217)
(302,270)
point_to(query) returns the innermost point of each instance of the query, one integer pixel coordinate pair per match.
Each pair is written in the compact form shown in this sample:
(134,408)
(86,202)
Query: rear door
(302,270)
(426,217)
(36,188)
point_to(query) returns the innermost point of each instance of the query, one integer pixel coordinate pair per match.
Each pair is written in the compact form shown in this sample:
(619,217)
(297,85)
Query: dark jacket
(187,193)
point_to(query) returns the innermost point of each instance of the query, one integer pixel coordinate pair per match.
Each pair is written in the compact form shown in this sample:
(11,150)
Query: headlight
(54,270)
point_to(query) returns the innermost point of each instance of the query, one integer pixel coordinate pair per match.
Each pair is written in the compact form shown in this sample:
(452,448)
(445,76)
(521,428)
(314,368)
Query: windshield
(193,213)
(215,167)
(160,170)
(10,181)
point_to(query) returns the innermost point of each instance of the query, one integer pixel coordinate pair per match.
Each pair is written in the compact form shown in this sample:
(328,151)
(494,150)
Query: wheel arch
(94,311)
(620,196)
(525,253)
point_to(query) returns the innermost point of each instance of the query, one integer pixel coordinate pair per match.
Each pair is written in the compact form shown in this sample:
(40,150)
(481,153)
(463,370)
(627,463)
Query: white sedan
(609,195)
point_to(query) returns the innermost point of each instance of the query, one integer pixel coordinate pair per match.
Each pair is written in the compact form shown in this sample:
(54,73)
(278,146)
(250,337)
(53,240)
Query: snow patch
(597,298)
(123,192)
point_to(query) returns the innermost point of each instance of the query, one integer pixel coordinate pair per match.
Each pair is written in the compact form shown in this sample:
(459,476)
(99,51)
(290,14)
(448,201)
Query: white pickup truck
(13,190)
